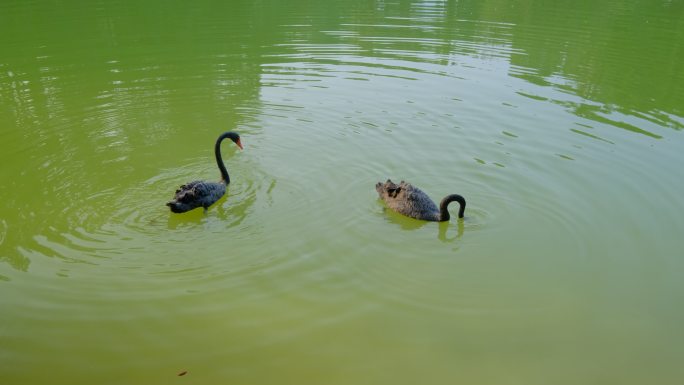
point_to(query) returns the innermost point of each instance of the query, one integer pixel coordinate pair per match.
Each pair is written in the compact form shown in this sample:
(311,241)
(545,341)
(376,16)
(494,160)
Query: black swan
(200,193)
(413,202)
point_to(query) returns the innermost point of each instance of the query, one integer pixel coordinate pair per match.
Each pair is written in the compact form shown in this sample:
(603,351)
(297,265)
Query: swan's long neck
(444,212)
(219,160)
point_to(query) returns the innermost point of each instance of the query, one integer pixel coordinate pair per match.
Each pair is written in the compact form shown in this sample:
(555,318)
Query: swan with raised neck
(200,193)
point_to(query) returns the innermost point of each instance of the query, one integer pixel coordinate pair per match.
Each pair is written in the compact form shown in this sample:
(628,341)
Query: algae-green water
(560,122)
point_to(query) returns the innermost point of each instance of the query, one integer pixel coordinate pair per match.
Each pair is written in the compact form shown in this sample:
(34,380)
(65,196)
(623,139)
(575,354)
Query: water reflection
(410,224)
(444,226)
(617,68)
(431,35)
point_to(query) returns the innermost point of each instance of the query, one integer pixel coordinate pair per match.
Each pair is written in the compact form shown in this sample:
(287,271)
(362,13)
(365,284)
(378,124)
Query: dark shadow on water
(444,226)
(411,224)
(233,212)
(192,217)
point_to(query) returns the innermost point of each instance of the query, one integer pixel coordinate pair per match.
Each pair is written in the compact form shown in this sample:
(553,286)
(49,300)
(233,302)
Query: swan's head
(235,137)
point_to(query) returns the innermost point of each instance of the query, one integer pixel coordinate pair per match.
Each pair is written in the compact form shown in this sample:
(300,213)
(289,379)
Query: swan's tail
(177,207)
(386,189)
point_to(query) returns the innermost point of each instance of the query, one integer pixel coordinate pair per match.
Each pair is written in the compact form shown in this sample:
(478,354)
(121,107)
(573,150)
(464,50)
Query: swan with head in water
(413,202)
(201,193)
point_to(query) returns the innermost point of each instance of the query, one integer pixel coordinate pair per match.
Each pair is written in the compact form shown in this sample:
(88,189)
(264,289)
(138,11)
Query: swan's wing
(191,192)
(401,192)
(188,186)
(411,193)
(416,197)
(419,198)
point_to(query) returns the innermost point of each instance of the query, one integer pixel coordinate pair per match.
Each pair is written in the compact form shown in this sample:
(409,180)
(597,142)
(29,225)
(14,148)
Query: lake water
(560,122)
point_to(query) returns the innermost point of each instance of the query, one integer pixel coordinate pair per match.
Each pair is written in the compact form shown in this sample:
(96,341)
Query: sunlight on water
(561,125)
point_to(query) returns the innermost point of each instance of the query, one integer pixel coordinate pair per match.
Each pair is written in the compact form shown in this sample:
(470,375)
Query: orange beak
(239,144)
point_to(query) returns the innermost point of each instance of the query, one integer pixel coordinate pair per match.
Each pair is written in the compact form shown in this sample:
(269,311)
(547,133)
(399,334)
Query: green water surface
(559,121)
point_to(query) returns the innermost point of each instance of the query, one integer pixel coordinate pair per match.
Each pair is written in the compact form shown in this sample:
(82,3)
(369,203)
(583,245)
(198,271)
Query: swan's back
(196,194)
(408,200)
